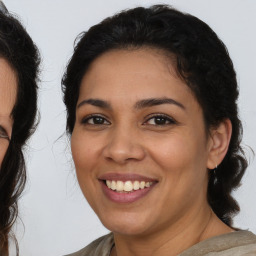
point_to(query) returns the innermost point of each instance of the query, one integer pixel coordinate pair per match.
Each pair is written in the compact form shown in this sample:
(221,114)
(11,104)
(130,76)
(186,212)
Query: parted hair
(18,49)
(201,60)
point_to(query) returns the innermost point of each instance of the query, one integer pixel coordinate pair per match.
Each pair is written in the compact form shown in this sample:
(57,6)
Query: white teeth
(147,185)
(142,184)
(136,185)
(113,185)
(127,186)
(119,186)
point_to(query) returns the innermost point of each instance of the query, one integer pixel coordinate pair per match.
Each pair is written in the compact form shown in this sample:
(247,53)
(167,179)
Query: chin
(129,224)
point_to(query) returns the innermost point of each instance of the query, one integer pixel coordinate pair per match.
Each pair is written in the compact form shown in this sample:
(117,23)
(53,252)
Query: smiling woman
(19,62)
(155,136)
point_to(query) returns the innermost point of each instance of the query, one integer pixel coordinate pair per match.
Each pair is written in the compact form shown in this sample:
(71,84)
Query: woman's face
(139,143)
(8,90)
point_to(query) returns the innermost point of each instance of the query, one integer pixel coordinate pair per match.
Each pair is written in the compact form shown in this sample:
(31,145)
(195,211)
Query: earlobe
(220,137)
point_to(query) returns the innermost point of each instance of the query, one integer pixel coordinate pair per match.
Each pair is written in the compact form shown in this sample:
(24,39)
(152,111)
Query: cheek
(180,155)
(82,156)
(85,152)
(82,149)
(171,150)
(183,168)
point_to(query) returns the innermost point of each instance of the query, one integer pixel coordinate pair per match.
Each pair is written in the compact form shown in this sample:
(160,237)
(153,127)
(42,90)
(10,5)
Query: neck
(171,240)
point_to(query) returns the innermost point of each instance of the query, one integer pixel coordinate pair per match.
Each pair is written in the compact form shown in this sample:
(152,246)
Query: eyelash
(103,121)
(163,117)
(86,120)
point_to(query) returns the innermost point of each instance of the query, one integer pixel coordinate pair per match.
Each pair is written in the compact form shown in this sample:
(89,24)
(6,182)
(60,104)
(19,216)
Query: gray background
(54,217)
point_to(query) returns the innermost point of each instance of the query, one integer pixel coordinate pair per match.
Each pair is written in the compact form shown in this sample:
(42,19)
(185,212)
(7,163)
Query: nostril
(123,153)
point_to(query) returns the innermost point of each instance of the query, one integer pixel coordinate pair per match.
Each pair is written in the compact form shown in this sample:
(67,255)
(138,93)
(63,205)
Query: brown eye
(95,120)
(160,120)
(3,134)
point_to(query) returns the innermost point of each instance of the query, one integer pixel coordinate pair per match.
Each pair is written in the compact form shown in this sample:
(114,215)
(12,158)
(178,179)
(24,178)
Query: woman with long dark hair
(19,62)
(151,97)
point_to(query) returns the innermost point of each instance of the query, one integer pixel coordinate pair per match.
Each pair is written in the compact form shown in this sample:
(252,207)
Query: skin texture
(8,90)
(128,140)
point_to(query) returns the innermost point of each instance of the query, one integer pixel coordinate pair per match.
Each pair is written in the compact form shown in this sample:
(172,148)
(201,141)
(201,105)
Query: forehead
(8,88)
(137,73)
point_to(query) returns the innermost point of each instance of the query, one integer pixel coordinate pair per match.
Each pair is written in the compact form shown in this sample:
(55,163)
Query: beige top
(239,243)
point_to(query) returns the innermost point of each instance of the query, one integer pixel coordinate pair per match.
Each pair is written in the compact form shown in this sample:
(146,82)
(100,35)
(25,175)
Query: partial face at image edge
(8,91)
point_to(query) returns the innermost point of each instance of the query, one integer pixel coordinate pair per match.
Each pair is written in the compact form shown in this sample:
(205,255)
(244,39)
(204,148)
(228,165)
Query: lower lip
(125,197)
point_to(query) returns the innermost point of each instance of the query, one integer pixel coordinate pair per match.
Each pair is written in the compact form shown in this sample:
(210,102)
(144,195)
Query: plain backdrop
(55,219)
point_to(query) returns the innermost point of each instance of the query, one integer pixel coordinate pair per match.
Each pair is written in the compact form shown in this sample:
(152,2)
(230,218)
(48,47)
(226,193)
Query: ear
(218,143)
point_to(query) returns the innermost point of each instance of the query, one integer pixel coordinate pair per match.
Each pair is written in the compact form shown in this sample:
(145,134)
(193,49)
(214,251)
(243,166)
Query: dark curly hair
(17,48)
(201,60)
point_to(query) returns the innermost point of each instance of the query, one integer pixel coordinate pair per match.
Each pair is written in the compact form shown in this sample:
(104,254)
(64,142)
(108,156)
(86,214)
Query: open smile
(126,188)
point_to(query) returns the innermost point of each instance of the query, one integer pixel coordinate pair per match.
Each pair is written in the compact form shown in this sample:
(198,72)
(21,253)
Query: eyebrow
(95,102)
(138,105)
(157,101)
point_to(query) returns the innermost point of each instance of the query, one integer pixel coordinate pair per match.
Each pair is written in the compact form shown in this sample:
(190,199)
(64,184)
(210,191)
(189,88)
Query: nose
(123,146)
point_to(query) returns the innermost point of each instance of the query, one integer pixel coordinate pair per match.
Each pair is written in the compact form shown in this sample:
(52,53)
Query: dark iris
(98,120)
(160,120)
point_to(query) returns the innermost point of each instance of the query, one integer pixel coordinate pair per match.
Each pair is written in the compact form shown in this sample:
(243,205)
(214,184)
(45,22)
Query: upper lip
(125,177)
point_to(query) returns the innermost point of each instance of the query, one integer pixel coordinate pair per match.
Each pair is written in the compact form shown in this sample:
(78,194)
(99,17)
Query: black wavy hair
(201,60)
(18,49)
